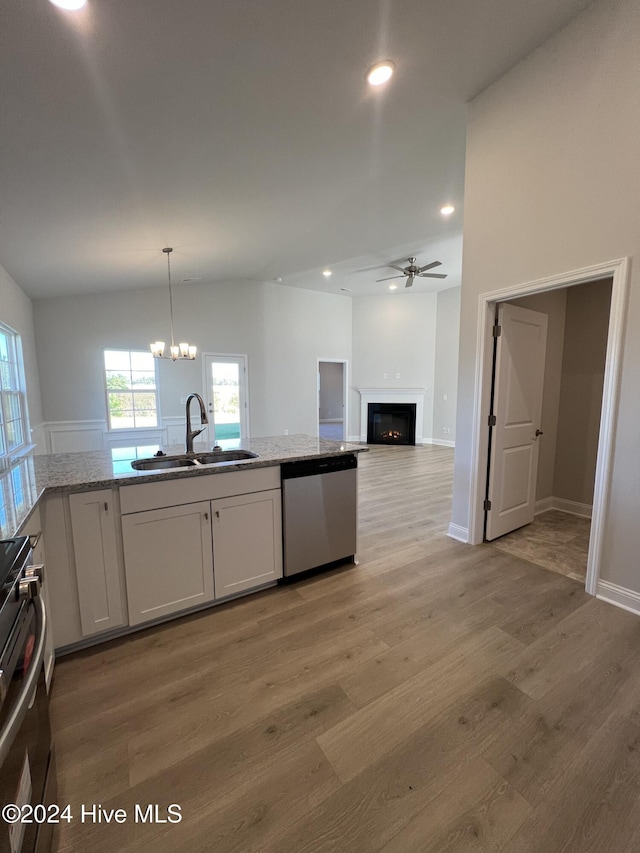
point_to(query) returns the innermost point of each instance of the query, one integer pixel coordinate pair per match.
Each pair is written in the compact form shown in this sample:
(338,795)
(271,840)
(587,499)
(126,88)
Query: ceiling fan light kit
(413,271)
(182,350)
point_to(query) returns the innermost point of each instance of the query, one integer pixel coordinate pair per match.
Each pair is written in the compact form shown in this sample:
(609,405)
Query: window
(132,395)
(13,409)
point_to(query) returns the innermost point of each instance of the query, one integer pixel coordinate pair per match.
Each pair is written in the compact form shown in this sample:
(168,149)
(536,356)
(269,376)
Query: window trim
(132,429)
(21,390)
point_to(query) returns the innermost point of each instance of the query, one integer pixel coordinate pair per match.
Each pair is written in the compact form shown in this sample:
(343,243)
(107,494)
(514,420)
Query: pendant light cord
(168,253)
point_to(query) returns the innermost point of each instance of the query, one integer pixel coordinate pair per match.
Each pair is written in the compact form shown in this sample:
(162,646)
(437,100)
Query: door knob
(539,432)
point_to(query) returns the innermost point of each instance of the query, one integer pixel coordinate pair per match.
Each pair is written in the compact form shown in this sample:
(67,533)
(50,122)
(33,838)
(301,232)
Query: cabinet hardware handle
(217,514)
(206,516)
(106,507)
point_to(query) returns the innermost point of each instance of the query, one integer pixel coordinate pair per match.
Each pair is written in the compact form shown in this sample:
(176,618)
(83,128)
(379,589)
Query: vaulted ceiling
(243,134)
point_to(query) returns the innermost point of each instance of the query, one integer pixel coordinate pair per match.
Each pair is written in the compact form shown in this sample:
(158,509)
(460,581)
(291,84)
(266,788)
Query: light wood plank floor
(437,697)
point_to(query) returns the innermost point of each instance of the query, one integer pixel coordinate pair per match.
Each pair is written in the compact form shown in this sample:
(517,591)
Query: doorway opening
(556,430)
(618,272)
(332,398)
(227,395)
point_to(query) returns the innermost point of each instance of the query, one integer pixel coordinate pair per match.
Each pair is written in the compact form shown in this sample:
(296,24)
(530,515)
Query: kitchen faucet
(191,434)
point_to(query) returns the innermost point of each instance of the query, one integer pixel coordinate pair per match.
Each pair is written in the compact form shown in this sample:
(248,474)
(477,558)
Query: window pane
(14,434)
(142,361)
(4,347)
(117,360)
(118,381)
(143,380)
(5,375)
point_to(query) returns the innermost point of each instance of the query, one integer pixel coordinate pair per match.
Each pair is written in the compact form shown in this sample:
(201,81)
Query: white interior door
(226,387)
(517,409)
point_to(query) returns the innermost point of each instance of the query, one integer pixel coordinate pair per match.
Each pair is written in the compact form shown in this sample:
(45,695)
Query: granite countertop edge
(87,470)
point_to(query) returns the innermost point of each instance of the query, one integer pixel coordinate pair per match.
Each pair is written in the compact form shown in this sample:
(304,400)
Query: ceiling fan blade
(391,277)
(396,267)
(432,275)
(430,266)
(409,280)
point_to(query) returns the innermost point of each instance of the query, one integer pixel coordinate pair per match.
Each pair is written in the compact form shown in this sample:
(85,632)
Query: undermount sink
(156,464)
(214,457)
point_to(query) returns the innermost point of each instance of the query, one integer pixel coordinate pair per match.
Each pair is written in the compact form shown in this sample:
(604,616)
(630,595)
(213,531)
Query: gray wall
(331,387)
(585,348)
(283,331)
(16,312)
(445,382)
(394,334)
(553,185)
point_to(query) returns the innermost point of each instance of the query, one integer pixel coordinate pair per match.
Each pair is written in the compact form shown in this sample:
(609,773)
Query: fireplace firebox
(391,423)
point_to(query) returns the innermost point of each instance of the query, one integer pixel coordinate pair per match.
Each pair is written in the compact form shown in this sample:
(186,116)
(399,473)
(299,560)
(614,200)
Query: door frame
(345,386)
(618,270)
(205,383)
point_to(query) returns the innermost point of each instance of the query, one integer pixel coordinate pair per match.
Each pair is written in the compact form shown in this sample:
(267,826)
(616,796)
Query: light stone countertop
(25,479)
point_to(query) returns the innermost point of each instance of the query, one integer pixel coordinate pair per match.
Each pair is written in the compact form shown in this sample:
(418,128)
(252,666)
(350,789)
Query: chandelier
(177,351)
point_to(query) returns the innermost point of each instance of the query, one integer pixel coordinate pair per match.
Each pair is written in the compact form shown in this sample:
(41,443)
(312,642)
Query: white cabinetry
(168,560)
(190,541)
(247,541)
(95,545)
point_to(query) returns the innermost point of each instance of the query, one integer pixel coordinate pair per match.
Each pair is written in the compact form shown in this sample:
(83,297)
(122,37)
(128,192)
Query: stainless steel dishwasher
(319,501)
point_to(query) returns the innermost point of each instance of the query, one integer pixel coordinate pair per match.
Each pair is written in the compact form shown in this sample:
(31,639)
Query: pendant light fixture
(176,351)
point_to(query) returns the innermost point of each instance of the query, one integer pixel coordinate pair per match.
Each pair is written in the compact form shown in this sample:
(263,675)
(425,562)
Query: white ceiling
(242,133)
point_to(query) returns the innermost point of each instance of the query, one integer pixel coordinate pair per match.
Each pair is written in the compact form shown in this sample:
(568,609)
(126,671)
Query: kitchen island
(126,548)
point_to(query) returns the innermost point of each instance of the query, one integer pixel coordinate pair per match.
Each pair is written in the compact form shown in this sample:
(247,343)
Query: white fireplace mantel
(392,395)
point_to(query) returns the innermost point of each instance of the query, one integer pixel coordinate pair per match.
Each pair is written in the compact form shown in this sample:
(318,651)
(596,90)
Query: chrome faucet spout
(191,434)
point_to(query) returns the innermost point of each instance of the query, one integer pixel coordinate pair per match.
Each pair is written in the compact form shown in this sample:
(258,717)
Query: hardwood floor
(436,697)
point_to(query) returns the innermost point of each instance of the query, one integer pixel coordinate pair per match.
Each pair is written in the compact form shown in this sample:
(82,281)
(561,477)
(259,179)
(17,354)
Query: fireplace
(391,423)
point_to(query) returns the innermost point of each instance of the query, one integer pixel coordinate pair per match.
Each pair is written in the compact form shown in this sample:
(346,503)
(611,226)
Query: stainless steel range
(27,769)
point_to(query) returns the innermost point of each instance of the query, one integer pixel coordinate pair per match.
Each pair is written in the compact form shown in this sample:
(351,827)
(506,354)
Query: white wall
(445,382)
(394,334)
(16,312)
(282,330)
(553,185)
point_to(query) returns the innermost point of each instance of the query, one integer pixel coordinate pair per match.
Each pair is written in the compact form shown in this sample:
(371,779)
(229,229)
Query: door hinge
(486,505)
(497,331)
(492,420)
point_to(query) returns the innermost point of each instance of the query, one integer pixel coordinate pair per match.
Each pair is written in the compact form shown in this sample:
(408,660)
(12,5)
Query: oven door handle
(21,705)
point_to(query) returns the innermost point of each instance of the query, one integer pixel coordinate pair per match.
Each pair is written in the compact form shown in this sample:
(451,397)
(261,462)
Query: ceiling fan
(412,271)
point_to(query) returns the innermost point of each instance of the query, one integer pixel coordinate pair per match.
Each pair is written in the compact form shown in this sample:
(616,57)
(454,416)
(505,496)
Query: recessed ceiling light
(72,5)
(447,209)
(380,73)
(393,287)
(326,273)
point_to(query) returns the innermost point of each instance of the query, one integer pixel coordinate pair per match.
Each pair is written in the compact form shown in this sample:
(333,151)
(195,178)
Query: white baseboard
(622,597)
(441,442)
(562,505)
(461,534)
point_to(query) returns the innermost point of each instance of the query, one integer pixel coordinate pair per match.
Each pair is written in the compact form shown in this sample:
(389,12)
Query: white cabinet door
(247,541)
(168,560)
(95,545)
